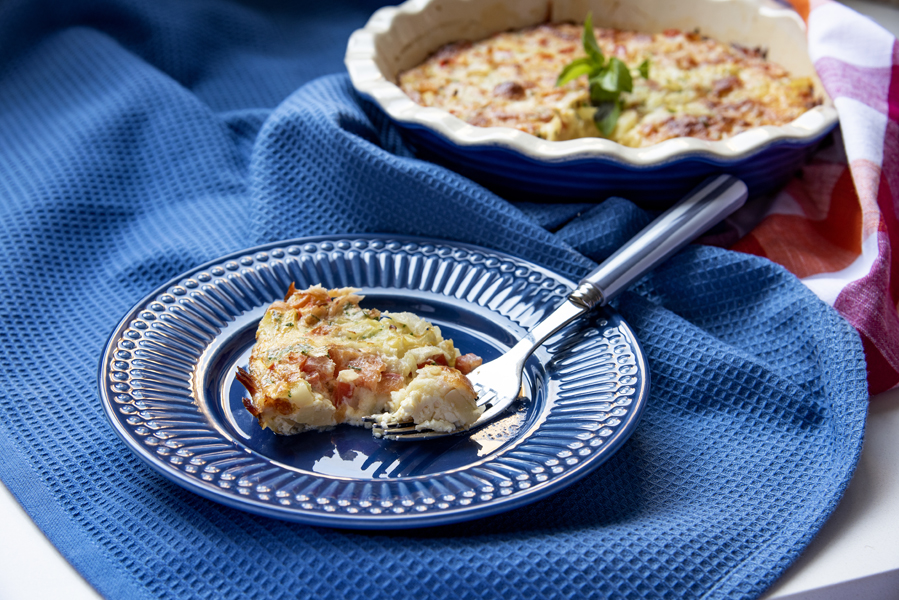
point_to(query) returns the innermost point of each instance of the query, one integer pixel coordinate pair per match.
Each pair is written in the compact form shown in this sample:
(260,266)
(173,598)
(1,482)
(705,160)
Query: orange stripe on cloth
(802,7)
(814,192)
(809,246)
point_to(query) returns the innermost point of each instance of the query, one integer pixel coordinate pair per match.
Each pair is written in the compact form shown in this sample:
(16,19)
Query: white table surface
(854,557)
(856,553)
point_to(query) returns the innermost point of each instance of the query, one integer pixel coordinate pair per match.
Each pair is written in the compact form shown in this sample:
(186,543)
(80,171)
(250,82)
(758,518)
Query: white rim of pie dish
(369,80)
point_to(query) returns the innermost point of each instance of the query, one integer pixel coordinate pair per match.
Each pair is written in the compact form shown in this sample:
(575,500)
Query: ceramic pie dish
(511,161)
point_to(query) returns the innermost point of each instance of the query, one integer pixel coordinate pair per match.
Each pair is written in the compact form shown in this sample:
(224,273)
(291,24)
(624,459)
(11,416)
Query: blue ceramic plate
(167,384)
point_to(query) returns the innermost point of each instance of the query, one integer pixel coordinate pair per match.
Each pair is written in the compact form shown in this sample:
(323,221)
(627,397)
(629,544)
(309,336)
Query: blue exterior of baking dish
(517,176)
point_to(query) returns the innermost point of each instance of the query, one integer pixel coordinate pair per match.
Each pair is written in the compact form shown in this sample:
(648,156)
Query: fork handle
(710,202)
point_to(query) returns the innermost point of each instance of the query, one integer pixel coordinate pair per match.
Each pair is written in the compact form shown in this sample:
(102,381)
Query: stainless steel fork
(498,382)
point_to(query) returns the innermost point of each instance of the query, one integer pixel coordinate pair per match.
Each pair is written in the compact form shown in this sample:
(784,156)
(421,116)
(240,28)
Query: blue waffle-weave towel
(140,139)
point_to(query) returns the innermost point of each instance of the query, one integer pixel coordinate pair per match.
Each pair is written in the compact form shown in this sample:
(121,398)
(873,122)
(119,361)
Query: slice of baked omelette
(320,360)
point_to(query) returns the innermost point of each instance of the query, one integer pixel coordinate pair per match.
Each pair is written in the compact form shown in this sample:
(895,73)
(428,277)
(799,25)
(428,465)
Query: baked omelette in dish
(692,85)
(321,360)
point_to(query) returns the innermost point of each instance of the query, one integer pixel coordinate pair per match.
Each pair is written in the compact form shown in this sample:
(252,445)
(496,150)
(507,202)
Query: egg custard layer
(320,360)
(696,87)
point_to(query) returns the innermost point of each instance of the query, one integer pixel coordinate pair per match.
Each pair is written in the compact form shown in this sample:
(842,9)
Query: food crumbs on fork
(321,360)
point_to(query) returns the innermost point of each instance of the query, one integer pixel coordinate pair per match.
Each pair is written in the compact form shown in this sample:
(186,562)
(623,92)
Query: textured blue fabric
(138,139)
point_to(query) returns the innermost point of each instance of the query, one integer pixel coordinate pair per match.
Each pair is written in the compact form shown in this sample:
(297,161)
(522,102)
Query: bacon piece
(437,359)
(290,370)
(390,382)
(246,380)
(290,291)
(342,356)
(315,296)
(726,85)
(511,90)
(282,406)
(468,363)
(315,381)
(320,372)
(685,63)
(369,368)
(248,404)
(313,315)
(322,365)
(343,393)
(296,360)
(322,330)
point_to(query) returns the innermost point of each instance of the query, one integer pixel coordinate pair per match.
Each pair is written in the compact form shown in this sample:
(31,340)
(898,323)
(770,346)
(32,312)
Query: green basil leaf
(574,69)
(598,95)
(644,69)
(606,116)
(590,46)
(617,77)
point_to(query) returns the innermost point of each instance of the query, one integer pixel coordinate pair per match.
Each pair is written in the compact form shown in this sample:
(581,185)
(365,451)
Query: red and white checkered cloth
(836,226)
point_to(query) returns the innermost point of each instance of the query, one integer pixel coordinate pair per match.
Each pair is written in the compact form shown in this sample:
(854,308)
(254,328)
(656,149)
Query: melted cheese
(697,87)
(320,360)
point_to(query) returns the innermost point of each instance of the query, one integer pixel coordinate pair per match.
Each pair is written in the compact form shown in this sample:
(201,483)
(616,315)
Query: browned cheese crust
(697,87)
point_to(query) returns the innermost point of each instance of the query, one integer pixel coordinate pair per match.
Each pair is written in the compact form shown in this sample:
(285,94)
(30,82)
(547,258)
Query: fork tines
(406,430)
(485,396)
